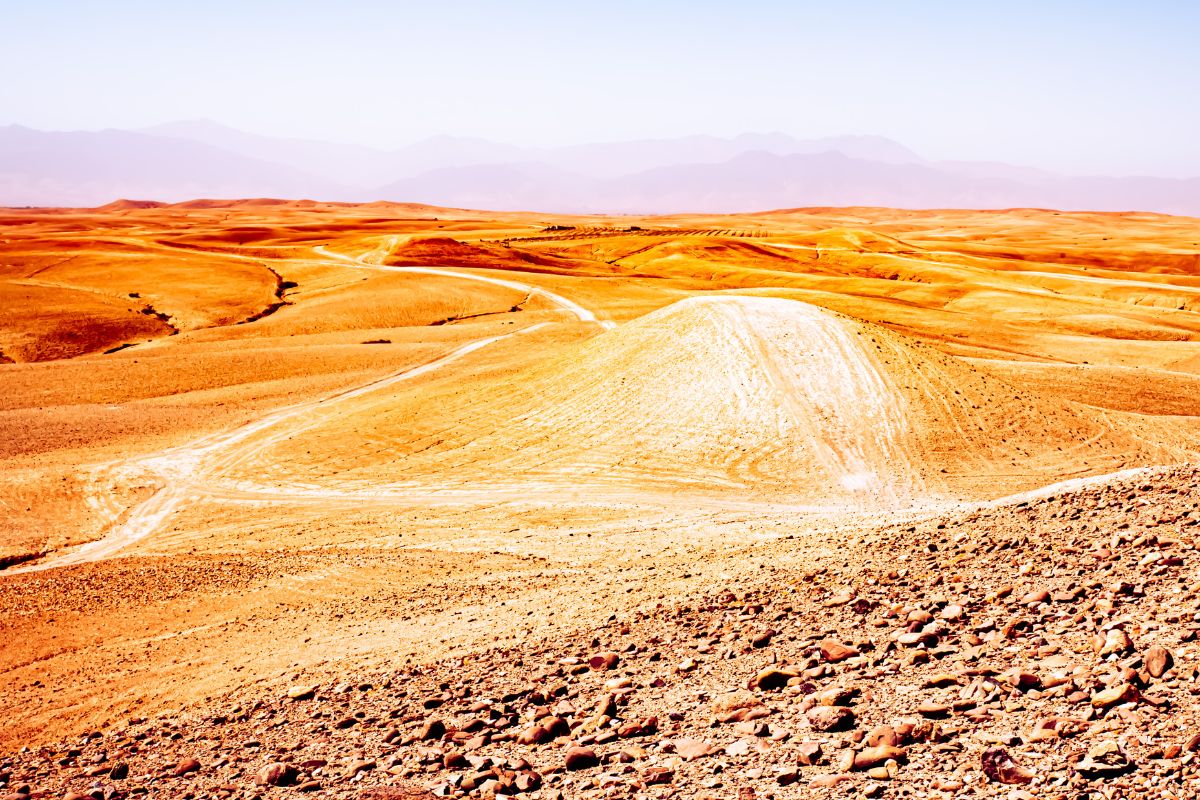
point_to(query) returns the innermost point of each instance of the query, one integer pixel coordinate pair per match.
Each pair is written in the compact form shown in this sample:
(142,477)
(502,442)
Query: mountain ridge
(699,174)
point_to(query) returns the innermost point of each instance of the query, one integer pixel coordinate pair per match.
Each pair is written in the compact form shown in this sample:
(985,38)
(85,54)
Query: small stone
(297,693)
(774,678)
(1116,641)
(277,774)
(432,729)
(809,753)
(657,776)
(527,781)
(952,612)
(1022,681)
(1121,693)
(1158,660)
(830,718)
(185,767)
(691,749)
(834,651)
(917,638)
(1105,760)
(836,696)
(581,758)
(536,734)
(874,756)
(932,709)
(1000,767)
(604,661)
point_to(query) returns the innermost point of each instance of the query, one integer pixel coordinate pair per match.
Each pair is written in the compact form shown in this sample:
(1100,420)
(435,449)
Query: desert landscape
(392,500)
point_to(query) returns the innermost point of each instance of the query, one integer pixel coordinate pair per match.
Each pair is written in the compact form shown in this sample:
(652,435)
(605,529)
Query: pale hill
(762,398)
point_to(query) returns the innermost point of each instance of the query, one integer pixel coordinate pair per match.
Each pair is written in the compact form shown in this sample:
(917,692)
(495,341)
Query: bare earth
(405,500)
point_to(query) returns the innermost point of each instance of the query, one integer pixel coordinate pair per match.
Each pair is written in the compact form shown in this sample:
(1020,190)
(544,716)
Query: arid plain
(353,496)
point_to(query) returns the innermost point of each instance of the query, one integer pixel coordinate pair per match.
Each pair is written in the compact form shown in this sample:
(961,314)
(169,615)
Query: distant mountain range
(185,160)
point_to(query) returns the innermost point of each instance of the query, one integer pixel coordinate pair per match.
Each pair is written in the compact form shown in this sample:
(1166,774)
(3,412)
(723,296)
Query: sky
(1076,86)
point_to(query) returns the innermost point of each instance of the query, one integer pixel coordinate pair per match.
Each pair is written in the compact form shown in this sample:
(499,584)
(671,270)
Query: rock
(809,753)
(309,786)
(874,756)
(1036,597)
(432,729)
(1000,767)
(556,726)
(536,734)
(1050,728)
(918,638)
(1158,660)
(361,765)
(952,612)
(835,696)
(940,681)
(654,776)
(691,749)
(581,758)
(834,651)
(297,693)
(278,774)
(752,728)
(1105,760)
(1116,642)
(739,748)
(186,767)
(604,661)
(772,678)
(828,781)
(645,726)
(1121,693)
(527,781)
(1022,681)
(884,734)
(830,718)
(119,771)
(932,709)
(734,701)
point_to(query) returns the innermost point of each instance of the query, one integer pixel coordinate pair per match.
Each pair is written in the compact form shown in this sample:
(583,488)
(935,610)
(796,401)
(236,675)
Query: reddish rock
(277,774)
(1000,767)
(581,758)
(604,661)
(432,729)
(691,749)
(874,756)
(1158,660)
(834,651)
(830,718)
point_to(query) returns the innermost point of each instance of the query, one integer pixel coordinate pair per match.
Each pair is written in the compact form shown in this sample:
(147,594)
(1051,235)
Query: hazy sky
(1079,86)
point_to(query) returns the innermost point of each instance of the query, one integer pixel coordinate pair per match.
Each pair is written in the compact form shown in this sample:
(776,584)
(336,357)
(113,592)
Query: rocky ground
(1037,649)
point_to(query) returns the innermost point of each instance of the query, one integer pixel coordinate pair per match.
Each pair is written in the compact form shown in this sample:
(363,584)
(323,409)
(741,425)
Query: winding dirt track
(182,471)
(581,313)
